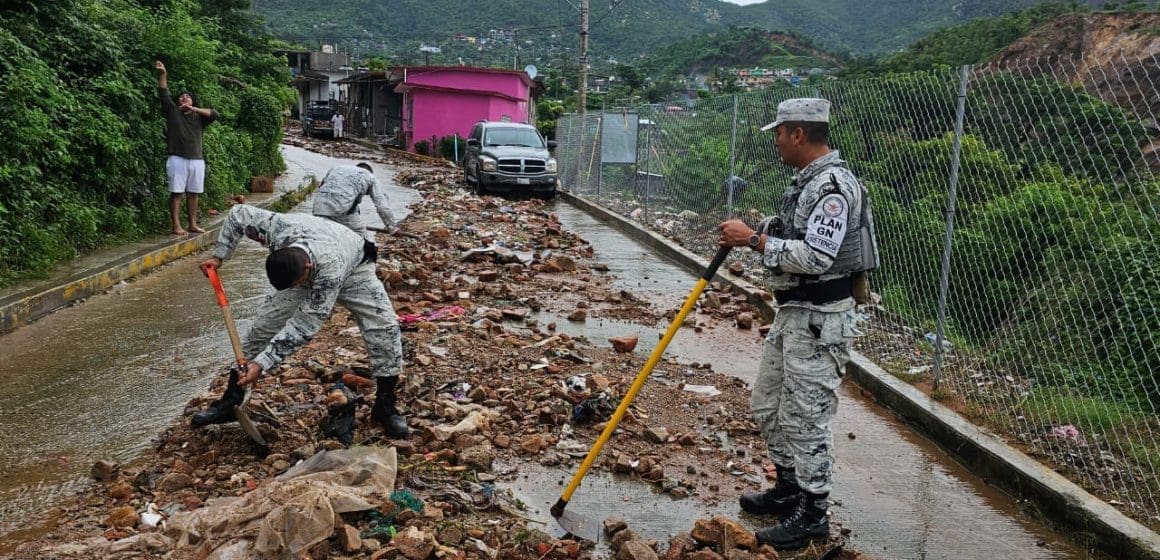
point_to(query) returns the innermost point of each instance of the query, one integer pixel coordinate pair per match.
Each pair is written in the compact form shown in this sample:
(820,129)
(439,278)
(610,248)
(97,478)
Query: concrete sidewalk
(96,272)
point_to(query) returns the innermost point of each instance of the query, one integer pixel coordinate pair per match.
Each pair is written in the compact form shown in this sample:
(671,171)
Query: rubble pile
(481,287)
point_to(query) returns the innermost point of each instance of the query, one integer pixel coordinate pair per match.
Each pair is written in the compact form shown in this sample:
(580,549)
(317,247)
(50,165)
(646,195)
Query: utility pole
(582,98)
(516,42)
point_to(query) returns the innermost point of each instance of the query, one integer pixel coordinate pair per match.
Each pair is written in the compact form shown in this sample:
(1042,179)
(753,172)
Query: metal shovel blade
(247,424)
(579,526)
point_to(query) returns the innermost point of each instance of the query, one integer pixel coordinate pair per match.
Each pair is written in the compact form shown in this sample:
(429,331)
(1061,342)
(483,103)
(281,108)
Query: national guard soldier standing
(313,264)
(817,250)
(341,192)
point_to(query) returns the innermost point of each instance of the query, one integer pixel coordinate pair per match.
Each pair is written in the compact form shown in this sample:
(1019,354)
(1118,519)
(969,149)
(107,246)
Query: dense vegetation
(735,47)
(82,162)
(632,28)
(969,43)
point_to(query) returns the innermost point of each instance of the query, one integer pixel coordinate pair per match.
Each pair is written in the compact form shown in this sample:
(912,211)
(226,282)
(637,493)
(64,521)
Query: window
(514,137)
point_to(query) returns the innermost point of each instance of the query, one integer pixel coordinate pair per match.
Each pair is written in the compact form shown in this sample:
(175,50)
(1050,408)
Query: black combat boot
(384,411)
(221,411)
(779,500)
(806,524)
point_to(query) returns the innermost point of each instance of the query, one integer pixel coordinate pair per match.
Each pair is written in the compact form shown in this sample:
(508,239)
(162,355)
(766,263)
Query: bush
(451,147)
(82,162)
(423,147)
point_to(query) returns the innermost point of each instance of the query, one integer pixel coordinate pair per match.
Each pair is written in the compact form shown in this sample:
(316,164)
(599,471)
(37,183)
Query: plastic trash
(707,390)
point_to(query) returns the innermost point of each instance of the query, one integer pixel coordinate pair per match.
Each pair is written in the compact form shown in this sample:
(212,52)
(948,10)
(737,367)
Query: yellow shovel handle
(638,383)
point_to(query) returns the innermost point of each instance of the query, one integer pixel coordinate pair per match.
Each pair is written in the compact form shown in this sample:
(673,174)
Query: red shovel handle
(217,287)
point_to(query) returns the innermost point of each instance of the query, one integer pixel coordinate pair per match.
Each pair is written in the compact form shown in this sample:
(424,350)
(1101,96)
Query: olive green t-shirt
(183,130)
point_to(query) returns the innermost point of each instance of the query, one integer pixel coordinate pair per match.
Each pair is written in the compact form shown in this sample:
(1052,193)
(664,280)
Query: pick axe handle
(558,509)
(231,328)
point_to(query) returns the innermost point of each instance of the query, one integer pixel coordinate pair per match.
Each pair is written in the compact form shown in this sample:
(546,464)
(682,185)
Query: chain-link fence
(1049,322)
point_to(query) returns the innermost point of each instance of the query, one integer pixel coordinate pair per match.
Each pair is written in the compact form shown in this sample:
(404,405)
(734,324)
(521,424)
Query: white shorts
(185,175)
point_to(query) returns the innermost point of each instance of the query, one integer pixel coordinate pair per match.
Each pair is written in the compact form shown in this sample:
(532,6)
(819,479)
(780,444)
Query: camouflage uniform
(341,193)
(293,316)
(794,398)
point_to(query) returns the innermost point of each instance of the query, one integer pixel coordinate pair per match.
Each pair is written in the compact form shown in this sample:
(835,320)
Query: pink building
(439,101)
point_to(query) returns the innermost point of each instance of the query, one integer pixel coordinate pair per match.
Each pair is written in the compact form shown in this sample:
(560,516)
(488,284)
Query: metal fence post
(732,162)
(952,194)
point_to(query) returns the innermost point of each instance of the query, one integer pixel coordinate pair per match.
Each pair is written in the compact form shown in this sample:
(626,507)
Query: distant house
(316,75)
(443,100)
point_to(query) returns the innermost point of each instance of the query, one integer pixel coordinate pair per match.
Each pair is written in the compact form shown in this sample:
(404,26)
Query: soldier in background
(341,192)
(817,250)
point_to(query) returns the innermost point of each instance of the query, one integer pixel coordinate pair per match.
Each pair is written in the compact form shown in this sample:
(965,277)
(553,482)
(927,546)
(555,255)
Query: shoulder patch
(826,226)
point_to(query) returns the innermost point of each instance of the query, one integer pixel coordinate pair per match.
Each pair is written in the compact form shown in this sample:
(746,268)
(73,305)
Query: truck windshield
(526,137)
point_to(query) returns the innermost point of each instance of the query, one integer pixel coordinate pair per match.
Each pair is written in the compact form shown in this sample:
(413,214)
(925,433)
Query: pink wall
(442,113)
(461,78)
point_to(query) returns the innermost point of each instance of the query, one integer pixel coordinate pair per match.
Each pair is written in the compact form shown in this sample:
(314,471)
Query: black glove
(370,252)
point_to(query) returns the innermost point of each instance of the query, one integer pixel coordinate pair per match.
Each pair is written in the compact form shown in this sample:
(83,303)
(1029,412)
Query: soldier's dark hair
(285,266)
(816,132)
(365,165)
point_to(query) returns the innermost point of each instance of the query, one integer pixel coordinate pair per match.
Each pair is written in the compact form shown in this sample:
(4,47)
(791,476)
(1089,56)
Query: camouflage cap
(805,109)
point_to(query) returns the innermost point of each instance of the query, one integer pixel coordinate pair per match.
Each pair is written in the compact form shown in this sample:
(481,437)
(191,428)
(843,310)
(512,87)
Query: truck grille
(526,166)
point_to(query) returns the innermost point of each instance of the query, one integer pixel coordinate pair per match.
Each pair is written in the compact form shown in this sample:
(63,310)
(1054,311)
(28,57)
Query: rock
(737,554)
(515,314)
(502,441)
(723,533)
(414,544)
(451,536)
(704,554)
(656,435)
(479,457)
(636,550)
(489,276)
(679,546)
(121,490)
(181,466)
(566,263)
(174,481)
(687,439)
(578,315)
(532,444)
(623,344)
(553,266)
(737,269)
(371,545)
(623,464)
(124,516)
(621,537)
(104,470)
(768,552)
(598,383)
(614,525)
(349,539)
(744,321)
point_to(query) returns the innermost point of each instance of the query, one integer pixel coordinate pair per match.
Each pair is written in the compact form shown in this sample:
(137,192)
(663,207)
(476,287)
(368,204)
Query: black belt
(819,293)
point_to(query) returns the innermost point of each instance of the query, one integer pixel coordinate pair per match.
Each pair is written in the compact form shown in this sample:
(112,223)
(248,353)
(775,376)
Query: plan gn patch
(827,224)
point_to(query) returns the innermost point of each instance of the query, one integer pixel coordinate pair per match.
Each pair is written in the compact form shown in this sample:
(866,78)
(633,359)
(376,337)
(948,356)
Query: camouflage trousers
(366,299)
(794,398)
(354,221)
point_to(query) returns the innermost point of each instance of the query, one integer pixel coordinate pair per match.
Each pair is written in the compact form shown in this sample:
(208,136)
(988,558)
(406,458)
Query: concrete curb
(27,306)
(1059,499)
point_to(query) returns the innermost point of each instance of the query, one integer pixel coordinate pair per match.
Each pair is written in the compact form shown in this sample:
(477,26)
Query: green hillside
(736,47)
(623,28)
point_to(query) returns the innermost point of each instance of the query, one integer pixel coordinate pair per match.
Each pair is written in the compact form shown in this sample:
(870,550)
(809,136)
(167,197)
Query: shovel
(585,527)
(239,410)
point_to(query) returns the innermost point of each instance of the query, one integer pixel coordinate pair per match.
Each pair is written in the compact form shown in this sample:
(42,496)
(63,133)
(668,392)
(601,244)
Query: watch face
(754,240)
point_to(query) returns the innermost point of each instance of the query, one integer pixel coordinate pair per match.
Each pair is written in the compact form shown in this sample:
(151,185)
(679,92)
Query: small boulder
(623,344)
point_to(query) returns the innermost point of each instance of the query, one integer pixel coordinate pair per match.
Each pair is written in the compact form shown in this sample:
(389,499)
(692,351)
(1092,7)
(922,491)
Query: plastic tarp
(285,517)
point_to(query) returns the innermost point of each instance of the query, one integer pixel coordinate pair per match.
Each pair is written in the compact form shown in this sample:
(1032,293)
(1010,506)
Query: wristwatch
(754,241)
